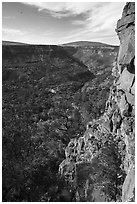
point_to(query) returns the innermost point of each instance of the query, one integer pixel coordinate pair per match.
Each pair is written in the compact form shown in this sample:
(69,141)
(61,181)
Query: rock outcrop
(126,85)
(117,124)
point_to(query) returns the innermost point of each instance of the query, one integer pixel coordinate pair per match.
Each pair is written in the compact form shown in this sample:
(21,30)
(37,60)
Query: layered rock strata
(118,120)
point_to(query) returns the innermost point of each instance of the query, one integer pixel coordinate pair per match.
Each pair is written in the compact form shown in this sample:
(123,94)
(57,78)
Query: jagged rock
(133,89)
(128,9)
(125,21)
(133,111)
(127,124)
(130,98)
(127,48)
(129,185)
(126,32)
(129,19)
(125,81)
(118,121)
(123,105)
(107,126)
(115,70)
(131,66)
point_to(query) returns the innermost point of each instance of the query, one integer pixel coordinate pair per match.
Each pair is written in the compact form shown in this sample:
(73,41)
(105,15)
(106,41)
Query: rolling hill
(87,43)
(12,43)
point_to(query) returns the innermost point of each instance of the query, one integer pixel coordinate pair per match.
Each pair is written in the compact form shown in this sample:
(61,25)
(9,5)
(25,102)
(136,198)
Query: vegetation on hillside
(48,96)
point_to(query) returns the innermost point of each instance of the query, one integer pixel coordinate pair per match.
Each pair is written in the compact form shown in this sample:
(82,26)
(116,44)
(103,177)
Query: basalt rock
(117,123)
(126,34)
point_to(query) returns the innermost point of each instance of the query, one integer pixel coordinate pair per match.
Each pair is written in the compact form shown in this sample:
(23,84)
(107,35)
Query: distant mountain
(12,43)
(96,56)
(87,43)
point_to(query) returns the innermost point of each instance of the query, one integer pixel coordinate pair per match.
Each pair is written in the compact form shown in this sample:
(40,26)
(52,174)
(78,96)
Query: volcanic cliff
(100,165)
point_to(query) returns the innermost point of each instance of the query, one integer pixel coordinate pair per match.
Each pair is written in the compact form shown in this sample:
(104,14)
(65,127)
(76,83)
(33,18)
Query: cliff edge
(101,165)
(126,85)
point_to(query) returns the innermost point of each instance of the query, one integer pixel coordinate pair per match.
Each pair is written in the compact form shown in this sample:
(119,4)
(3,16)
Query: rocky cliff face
(126,87)
(107,147)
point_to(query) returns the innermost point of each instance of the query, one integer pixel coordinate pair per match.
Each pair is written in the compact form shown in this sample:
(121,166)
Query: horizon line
(58,43)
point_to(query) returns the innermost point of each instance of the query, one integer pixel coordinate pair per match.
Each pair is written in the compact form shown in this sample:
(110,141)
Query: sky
(60,22)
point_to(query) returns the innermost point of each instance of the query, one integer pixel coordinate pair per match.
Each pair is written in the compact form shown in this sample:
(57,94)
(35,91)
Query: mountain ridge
(88,43)
(74,44)
(4,42)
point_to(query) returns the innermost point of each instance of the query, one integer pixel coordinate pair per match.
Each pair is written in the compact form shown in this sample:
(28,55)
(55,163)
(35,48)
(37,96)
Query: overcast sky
(60,22)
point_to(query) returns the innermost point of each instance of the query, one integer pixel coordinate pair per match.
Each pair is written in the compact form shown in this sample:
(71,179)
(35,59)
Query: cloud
(78,22)
(92,21)
(62,9)
(100,24)
(61,14)
(12,32)
(100,15)
(106,17)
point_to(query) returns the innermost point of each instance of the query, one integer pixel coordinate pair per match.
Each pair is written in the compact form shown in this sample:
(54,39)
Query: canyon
(69,119)
(112,136)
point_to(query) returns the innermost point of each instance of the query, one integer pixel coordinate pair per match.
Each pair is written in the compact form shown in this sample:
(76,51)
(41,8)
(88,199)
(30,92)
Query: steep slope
(39,118)
(100,165)
(126,84)
(99,59)
(48,97)
(94,55)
